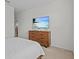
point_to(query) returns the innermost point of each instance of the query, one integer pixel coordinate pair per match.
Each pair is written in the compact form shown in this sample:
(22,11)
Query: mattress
(18,48)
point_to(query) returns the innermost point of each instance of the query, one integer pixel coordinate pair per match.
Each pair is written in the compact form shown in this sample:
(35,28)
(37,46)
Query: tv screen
(40,22)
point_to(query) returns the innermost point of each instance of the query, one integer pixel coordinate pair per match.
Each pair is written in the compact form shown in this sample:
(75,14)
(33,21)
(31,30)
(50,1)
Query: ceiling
(21,5)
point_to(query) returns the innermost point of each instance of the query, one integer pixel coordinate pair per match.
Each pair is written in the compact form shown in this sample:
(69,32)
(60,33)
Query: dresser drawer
(44,37)
(32,33)
(44,32)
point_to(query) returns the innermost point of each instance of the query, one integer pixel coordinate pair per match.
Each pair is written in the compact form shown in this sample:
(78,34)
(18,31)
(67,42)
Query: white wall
(60,22)
(9,21)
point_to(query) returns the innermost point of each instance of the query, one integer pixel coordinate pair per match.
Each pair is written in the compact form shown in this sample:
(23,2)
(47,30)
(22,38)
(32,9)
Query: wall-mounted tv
(40,22)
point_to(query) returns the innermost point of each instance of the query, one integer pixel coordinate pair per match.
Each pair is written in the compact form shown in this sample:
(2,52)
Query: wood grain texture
(41,37)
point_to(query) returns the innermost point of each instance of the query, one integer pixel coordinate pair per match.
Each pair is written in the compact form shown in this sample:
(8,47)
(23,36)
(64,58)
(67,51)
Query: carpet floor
(57,53)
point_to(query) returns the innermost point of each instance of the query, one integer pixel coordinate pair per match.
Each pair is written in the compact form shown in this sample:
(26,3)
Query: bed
(19,48)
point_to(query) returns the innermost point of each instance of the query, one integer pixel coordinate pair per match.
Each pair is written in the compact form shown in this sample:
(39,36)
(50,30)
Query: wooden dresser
(42,37)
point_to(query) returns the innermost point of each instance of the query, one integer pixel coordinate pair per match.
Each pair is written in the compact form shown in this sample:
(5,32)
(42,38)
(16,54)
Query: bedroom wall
(9,21)
(60,22)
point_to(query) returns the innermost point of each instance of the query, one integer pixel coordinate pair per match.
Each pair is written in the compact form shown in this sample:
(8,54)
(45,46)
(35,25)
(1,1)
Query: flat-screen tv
(40,22)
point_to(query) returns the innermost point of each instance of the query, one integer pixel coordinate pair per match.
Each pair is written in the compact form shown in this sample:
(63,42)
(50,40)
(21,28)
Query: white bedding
(18,48)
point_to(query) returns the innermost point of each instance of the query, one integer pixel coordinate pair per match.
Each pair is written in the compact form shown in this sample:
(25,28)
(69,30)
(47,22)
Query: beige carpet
(57,53)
